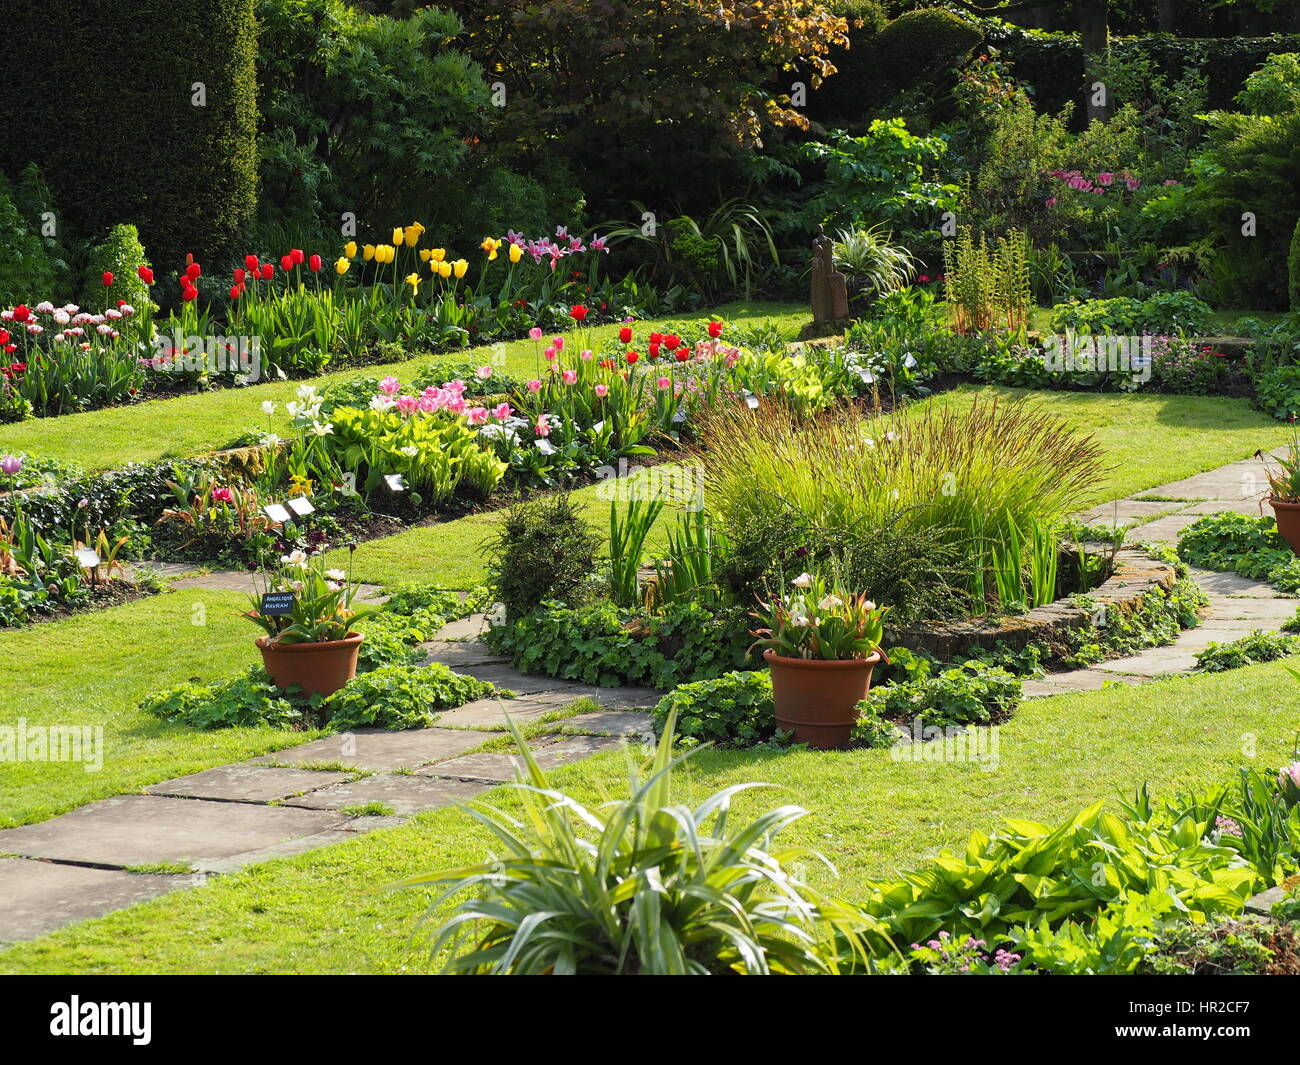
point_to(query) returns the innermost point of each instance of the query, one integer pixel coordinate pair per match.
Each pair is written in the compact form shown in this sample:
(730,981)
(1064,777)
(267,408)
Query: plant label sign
(301,506)
(277,604)
(87,558)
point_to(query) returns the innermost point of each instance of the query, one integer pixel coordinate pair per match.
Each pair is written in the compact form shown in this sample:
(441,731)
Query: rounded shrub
(920,46)
(121,254)
(26,273)
(144,111)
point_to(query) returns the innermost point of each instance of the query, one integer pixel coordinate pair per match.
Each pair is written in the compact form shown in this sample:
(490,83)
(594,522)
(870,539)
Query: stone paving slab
(499,766)
(286,849)
(504,675)
(405,795)
(1217,631)
(145,829)
(246,783)
(460,653)
(1224,608)
(1074,680)
(1226,585)
(1161,531)
(1126,512)
(1155,662)
(1249,507)
(377,750)
(1237,480)
(629,723)
(38,897)
(468,628)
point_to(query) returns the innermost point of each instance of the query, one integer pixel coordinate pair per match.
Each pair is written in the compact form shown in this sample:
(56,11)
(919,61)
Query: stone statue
(830,289)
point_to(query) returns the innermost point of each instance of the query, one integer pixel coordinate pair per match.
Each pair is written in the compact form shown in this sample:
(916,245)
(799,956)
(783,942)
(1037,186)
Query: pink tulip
(585,355)
(602,391)
(10,465)
(407,404)
(535,333)
(558,343)
(534,385)
(502,412)
(476,416)
(390,385)
(484,372)
(550,354)
(542,428)
(570,377)
(664,383)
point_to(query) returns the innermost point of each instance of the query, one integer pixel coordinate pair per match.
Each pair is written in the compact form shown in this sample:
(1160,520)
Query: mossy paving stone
(500,765)
(405,795)
(376,750)
(246,783)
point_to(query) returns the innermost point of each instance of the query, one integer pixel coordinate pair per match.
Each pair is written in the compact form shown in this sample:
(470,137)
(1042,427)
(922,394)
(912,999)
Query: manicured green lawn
(453,554)
(191,425)
(871,815)
(93,669)
(1153,439)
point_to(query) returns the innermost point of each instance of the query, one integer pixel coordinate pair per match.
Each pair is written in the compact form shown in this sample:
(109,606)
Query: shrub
(26,274)
(402,697)
(922,47)
(970,694)
(1293,270)
(733,710)
(1246,651)
(250,700)
(639,885)
(120,254)
(1237,543)
(130,143)
(852,90)
(545,550)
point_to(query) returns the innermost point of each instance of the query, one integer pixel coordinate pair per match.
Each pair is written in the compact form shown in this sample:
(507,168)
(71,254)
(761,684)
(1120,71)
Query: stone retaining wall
(1135,574)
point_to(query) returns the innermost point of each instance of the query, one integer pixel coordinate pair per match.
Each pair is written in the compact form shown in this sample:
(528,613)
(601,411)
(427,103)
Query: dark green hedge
(99,94)
(1053,62)
(842,95)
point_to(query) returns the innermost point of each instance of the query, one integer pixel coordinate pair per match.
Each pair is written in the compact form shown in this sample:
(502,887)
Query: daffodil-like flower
(490,245)
(341,267)
(414,281)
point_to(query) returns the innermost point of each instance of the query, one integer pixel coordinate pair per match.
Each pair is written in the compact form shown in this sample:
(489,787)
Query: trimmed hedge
(1293,269)
(847,93)
(922,45)
(1053,62)
(101,97)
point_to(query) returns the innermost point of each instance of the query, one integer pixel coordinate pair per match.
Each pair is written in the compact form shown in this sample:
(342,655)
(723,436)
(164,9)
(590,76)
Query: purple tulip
(10,465)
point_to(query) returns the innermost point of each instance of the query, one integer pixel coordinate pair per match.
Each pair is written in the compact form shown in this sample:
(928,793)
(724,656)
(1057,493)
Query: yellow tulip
(459,267)
(390,253)
(414,281)
(397,235)
(444,269)
(368,252)
(438,254)
(516,253)
(341,266)
(350,249)
(425,254)
(412,236)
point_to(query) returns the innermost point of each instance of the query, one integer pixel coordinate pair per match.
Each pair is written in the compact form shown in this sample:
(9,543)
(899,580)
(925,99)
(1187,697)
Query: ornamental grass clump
(641,885)
(912,508)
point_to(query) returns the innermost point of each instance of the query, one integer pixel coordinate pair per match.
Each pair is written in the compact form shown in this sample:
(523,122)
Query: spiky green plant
(640,885)
(873,264)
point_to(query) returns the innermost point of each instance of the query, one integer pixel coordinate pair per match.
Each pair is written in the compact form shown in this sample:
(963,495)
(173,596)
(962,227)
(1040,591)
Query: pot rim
(268,643)
(1275,502)
(771,657)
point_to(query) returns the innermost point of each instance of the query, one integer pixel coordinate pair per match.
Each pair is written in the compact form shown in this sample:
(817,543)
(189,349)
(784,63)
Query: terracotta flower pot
(320,668)
(818,699)
(1288,521)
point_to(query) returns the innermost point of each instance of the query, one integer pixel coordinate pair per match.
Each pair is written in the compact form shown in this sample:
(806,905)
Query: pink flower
(542,428)
(535,333)
(664,383)
(407,404)
(484,372)
(585,355)
(477,415)
(602,391)
(570,377)
(1291,772)
(456,404)
(389,386)
(550,354)
(558,343)
(1051,201)
(428,404)
(1105,179)
(223,495)
(502,412)
(534,385)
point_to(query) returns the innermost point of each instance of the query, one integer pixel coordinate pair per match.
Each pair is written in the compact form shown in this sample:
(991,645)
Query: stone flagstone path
(119,851)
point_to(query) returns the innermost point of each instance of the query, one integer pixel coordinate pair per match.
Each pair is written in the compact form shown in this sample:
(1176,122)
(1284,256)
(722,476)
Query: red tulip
(296,257)
(652,351)
(146,275)
(250,261)
(267,271)
(625,335)
(188,291)
(239,275)
(672,340)
(234,292)
(22,312)
(578,312)
(10,348)
(193,271)
(682,354)
(108,278)
(4,336)
(286,263)
(715,329)
(313,264)
(632,356)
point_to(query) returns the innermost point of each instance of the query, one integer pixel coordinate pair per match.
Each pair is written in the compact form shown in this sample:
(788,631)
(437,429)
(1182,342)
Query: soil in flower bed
(103,596)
